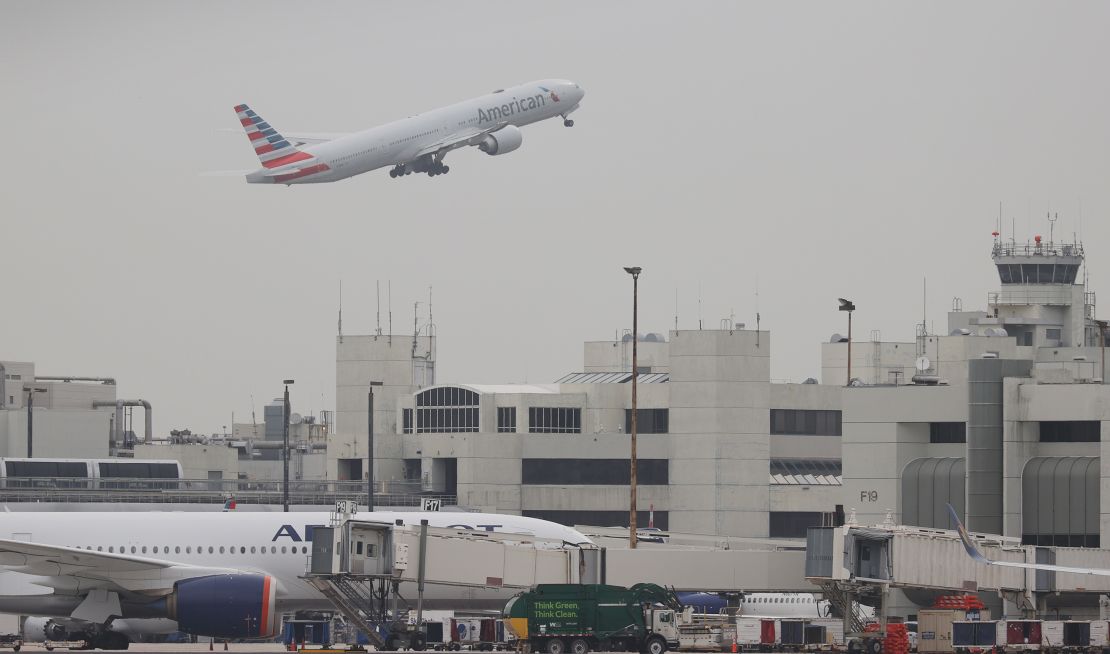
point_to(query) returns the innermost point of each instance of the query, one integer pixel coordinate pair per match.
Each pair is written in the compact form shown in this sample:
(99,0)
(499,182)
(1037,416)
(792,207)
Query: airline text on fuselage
(290,532)
(511,108)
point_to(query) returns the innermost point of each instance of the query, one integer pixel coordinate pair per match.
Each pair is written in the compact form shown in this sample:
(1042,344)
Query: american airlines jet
(226,575)
(417,144)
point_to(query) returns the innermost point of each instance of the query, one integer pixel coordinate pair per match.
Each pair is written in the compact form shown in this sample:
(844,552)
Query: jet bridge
(853,560)
(374,571)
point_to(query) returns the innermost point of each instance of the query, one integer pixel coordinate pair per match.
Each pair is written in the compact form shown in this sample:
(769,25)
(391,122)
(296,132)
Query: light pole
(635,272)
(31,416)
(370,447)
(285,448)
(846,305)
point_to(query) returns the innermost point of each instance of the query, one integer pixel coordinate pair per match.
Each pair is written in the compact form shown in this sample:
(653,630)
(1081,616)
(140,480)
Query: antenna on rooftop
(341,311)
(389,290)
(378,299)
(1052,227)
(676,309)
(699,306)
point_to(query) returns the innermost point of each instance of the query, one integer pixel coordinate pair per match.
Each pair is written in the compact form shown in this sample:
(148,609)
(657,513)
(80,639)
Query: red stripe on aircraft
(264,149)
(288,159)
(305,172)
(264,623)
(246,122)
(254,136)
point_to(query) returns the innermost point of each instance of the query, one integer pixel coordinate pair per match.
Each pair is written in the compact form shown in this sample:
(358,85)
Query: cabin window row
(200,549)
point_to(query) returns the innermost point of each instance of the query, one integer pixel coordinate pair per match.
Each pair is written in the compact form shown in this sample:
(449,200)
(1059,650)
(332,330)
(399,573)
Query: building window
(648,421)
(1071,431)
(406,421)
(1052,334)
(805,422)
(554,420)
(793,524)
(602,518)
(947,432)
(446,409)
(506,419)
(595,472)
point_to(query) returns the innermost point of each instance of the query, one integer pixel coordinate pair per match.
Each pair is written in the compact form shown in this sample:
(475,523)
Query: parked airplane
(779,605)
(226,575)
(976,554)
(417,144)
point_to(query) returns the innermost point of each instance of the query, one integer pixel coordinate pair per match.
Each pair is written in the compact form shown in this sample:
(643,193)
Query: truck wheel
(394,642)
(579,646)
(873,646)
(418,642)
(656,645)
(556,646)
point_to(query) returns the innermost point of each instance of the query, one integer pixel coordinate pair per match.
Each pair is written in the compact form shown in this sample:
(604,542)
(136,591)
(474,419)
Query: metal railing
(209,491)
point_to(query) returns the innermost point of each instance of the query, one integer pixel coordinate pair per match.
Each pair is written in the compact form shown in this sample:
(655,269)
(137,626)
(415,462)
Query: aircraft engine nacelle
(226,606)
(37,629)
(506,139)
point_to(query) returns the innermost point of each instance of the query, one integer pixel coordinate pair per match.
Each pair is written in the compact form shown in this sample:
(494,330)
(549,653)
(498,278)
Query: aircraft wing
(460,140)
(75,570)
(976,554)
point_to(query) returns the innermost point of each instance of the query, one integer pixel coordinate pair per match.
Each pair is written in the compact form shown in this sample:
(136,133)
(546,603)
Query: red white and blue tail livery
(417,144)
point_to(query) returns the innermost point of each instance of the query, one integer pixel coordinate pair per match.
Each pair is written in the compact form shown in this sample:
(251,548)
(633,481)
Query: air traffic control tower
(1039,303)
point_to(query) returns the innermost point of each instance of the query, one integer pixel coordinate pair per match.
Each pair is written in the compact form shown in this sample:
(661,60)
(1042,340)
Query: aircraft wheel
(446,169)
(567,122)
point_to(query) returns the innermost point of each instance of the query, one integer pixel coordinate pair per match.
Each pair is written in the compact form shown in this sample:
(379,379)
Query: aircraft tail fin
(272,148)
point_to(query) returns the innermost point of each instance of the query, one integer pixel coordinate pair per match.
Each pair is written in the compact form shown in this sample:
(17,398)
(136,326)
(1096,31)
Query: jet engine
(226,606)
(36,630)
(506,139)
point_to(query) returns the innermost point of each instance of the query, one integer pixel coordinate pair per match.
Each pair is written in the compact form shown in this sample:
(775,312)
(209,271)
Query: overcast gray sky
(825,149)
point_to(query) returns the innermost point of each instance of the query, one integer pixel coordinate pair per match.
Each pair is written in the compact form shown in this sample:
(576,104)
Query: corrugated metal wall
(928,485)
(1060,501)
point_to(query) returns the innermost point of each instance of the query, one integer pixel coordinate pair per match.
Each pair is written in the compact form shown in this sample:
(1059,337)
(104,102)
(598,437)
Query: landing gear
(567,122)
(400,171)
(438,168)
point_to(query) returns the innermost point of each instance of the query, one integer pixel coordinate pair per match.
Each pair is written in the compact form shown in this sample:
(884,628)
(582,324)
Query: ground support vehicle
(1074,635)
(578,618)
(11,641)
(51,645)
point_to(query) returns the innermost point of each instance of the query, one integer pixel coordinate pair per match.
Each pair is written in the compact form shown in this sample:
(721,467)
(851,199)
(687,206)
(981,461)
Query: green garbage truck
(576,619)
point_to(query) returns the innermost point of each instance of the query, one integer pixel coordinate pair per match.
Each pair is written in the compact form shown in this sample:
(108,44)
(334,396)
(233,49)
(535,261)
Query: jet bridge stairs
(367,569)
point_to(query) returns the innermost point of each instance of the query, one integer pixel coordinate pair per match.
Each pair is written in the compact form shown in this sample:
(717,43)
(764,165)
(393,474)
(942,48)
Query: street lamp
(847,305)
(370,447)
(285,448)
(31,415)
(635,272)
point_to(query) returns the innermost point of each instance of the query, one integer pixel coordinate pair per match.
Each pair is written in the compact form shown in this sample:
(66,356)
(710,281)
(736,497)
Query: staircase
(359,602)
(840,596)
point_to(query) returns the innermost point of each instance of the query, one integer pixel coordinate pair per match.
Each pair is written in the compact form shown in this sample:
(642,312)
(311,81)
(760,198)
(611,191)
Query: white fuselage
(401,141)
(263,542)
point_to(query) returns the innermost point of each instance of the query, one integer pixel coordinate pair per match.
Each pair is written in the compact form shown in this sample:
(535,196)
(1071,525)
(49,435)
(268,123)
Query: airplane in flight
(975,553)
(417,144)
(109,576)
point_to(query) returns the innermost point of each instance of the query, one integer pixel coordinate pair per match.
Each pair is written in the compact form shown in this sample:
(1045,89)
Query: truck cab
(663,623)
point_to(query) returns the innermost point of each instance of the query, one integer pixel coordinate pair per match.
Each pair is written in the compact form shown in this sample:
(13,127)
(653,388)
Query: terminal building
(1001,416)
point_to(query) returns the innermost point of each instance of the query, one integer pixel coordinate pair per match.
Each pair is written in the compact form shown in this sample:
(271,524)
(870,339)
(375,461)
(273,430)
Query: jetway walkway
(849,561)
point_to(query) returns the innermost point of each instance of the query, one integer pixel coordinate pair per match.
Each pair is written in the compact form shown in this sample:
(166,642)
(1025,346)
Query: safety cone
(210,641)
(225,645)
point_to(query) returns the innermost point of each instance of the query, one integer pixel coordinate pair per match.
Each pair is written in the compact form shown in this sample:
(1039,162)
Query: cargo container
(934,627)
(1018,635)
(974,634)
(755,634)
